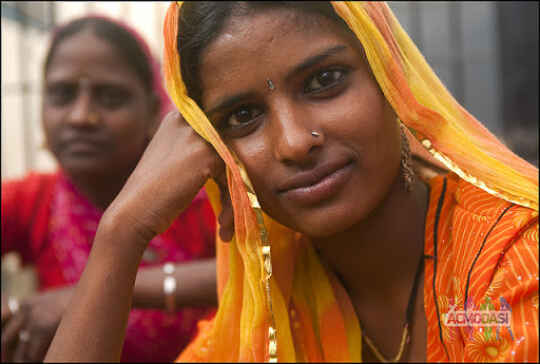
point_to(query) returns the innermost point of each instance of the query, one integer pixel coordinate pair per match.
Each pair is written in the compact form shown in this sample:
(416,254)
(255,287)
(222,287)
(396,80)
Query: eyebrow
(306,64)
(230,101)
(313,60)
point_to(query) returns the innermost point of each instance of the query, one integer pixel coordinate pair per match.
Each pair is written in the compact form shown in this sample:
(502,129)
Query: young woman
(337,251)
(103,99)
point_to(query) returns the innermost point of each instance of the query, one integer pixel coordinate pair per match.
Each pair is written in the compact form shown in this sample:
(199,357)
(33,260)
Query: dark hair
(201,22)
(119,37)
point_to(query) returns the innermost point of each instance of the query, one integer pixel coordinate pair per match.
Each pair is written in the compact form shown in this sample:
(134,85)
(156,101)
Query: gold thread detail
(267,270)
(253,200)
(474,180)
(426,143)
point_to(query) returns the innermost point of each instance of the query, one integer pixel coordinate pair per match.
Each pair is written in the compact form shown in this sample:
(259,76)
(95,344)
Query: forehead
(264,45)
(86,55)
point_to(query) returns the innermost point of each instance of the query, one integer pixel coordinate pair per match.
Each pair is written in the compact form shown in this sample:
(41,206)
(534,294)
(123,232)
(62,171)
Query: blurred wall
(26,30)
(484,52)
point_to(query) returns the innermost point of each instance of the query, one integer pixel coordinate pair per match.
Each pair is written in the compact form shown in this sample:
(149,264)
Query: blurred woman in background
(103,100)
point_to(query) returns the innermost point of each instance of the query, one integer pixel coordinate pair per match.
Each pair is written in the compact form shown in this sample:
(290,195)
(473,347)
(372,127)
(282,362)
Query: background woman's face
(96,112)
(316,185)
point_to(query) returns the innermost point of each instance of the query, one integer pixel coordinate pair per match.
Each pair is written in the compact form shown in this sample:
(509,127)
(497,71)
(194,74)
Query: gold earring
(406,160)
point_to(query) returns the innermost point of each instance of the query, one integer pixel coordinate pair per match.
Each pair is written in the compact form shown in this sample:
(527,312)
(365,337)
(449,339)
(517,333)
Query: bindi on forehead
(263,46)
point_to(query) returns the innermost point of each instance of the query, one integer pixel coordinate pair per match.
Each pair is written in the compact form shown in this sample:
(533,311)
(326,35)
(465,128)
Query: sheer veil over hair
(255,288)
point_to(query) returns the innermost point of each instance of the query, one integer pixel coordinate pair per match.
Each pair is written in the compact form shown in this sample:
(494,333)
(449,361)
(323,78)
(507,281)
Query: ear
(226,217)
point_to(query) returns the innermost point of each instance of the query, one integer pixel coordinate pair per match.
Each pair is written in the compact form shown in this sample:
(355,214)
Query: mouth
(319,184)
(82,145)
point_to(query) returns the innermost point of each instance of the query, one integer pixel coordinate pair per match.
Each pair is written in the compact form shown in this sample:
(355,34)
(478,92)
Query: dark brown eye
(60,94)
(323,80)
(243,115)
(112,97)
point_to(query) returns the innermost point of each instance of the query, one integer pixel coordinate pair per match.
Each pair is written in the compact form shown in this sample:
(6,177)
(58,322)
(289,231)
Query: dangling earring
(406,159)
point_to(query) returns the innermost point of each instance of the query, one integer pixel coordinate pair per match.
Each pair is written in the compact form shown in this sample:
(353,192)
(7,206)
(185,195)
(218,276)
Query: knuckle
(171,116)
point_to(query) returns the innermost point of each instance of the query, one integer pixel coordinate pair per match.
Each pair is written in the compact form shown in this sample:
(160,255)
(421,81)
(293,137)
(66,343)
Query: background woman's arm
(94,324)
(196,285)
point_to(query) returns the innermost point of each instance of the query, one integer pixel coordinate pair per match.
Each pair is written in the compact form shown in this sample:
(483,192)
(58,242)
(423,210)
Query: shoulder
(25,211)
(482,231)
(30,181)
(466,199)
(23,192)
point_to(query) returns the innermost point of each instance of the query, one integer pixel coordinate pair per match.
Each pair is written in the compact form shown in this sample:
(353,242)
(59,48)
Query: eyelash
(224,124)
(313,77)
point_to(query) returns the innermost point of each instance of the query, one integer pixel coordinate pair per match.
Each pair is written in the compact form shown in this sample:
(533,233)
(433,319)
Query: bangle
(169,287)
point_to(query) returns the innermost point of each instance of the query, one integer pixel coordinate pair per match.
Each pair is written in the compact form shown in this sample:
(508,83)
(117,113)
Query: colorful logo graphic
(484,316)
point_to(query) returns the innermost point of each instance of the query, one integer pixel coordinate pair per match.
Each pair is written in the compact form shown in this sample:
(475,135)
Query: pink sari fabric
(152,335)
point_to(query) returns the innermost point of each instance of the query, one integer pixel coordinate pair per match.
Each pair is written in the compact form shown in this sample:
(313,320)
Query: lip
(82,145)
(319,184)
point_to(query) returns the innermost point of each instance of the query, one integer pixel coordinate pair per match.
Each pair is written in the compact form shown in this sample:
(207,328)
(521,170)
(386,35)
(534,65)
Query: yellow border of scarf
(256,290)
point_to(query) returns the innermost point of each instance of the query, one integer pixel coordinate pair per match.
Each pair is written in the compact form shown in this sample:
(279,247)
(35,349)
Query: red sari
(52,225)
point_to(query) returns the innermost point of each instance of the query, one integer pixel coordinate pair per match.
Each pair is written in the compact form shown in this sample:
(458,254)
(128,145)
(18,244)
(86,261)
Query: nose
(81,113)
(294,136)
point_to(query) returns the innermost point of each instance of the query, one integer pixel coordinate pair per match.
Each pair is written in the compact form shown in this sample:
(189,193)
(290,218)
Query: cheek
(254,153)
(256,156)
(51,121)
(128,126)
(365,122)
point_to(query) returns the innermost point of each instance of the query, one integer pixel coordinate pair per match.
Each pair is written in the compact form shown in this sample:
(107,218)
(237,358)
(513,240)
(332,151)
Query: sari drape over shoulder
(278,302)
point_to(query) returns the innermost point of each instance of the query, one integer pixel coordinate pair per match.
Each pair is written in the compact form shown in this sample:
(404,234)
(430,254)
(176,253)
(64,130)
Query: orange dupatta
(276,301)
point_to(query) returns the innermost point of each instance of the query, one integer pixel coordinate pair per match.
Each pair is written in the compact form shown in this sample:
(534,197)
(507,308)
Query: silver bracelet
(169,287)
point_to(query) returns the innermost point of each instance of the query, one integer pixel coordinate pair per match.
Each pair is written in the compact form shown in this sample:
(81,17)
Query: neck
(101,190)
(378,257)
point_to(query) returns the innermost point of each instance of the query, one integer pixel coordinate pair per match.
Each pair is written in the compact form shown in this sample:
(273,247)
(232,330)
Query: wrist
(170,286)
(123,228)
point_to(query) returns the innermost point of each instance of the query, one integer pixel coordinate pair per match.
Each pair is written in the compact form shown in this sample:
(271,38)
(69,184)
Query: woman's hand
(174,167)
(37,318)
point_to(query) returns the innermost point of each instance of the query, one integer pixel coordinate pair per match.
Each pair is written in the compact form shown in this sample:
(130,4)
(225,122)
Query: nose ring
(315,134)
(270,84)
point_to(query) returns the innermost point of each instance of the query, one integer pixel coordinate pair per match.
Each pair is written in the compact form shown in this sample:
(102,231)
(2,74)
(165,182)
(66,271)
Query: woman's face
(319,185)
(96,113)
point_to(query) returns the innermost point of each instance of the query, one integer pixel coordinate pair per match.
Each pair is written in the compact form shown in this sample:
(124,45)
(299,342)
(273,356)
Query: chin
(328,227)
(84,167)
(325,222)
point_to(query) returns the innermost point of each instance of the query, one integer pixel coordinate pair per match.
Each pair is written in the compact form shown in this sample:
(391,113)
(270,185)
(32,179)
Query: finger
(9,308)
(37,347)
(226,224)
(19,355)
(226,217)
(168,126)
(7,353)
(172,119)
(11,330)
(6,314)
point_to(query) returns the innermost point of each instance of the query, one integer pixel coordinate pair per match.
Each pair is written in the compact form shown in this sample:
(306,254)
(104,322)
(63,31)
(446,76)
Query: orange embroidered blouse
(480,248)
